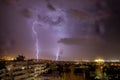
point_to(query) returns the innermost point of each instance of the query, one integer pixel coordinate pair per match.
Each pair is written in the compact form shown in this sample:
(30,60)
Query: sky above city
(74,29)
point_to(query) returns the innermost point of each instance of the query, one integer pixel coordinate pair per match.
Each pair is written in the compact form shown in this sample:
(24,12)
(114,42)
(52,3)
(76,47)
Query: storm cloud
(83,27)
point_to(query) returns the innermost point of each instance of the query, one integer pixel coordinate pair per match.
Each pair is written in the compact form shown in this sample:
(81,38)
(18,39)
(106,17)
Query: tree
(20,58)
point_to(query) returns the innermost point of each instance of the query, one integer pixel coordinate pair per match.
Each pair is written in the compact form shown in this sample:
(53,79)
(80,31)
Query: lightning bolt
(58,54)
(36,38)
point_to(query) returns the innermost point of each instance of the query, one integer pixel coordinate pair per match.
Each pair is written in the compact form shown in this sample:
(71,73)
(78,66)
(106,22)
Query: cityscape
(33,69)
(59,40)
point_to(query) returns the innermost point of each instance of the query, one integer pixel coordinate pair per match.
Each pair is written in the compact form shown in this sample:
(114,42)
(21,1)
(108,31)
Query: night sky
(79,29)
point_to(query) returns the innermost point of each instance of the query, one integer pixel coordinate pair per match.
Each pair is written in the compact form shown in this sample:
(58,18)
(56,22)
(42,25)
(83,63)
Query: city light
(99,60)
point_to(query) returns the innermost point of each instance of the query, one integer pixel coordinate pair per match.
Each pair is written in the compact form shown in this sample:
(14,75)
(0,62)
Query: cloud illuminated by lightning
(56,21)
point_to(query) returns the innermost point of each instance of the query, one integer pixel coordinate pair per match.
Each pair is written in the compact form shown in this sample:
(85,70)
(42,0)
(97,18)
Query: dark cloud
(51,7)
(26,13)
(114,7)
(8,2)
(80,41)
(77,14)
